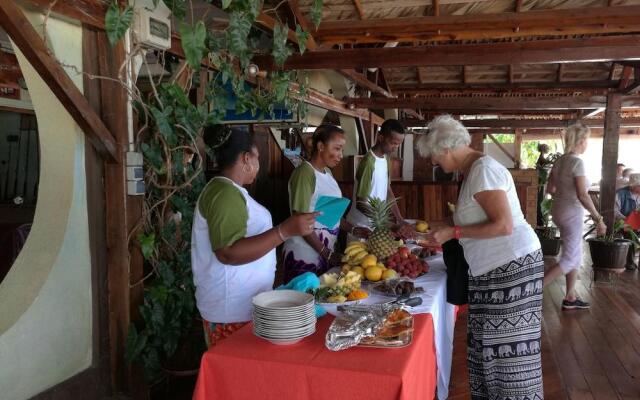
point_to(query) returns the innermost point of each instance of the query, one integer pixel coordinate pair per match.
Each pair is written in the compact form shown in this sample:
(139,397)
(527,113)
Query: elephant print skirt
(505,313)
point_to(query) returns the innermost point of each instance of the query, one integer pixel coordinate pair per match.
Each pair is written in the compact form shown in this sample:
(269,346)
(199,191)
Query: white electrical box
(152,25)
(135,188)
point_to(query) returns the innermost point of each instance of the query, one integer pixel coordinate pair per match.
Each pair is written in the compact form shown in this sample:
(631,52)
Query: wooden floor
(586,354)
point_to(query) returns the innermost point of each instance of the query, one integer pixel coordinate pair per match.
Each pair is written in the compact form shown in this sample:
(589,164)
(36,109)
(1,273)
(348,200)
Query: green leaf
(178,8)
(147,244)
(316,13)
(134,344)
(226,4)
(302,37)
(280,50)
(166,128)
(116,23)
(238,34)
(193,42)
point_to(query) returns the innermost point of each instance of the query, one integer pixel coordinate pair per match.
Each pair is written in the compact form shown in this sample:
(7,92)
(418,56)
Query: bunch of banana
(355,252)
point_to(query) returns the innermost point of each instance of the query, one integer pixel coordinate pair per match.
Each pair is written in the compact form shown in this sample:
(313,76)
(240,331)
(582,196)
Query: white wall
(45,299)
(494,151)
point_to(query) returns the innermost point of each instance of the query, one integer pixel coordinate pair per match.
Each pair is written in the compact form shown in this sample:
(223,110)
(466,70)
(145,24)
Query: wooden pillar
(477,141)
(517,148)
(610,158)
(121,212)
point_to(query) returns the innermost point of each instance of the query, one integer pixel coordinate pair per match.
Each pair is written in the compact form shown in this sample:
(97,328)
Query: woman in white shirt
(311,180)
(506,267)
(569,186)
(233,241)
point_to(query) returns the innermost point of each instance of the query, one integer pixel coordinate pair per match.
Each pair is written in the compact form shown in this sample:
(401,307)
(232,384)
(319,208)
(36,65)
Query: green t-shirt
(302,184)
(224,207)
(365,174)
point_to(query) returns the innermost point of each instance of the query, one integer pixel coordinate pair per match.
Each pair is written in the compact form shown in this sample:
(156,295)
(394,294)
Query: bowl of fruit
(339,289)
(407,264)
(358,258)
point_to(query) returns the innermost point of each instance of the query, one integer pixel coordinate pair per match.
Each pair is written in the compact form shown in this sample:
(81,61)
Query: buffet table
(244,366)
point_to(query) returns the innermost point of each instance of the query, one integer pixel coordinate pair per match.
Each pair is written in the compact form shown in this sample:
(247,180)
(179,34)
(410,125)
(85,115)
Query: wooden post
(518,149)
(121,212)
(477,141)
(610,158)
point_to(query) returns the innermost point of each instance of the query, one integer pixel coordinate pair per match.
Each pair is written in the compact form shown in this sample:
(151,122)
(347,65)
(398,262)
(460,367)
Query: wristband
(280,234)
(457,232)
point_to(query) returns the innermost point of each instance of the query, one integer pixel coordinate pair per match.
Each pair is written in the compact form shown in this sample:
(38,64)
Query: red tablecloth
(246,367)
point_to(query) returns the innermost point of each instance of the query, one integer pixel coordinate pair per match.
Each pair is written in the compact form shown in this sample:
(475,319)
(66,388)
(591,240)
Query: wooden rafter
(358,5)
(627,72)
(542,51)
(527,123)
(491,103)
(436,7)
(484,26)
(34,49)
(362,81)
(518,7)
(575,86)
(502,148)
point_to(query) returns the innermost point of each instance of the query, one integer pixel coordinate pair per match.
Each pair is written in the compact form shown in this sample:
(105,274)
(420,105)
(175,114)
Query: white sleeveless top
(224,292)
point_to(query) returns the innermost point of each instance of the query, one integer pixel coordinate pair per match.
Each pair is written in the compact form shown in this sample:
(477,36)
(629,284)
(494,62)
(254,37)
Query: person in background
(506,267)
(620,171)
(627,173)
(569,186)
(627,201)
(373,177)
(233,241)
(543,172)
(311,180)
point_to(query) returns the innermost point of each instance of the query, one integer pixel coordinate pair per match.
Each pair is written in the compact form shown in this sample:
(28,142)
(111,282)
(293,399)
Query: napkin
(332,209)
(302,283)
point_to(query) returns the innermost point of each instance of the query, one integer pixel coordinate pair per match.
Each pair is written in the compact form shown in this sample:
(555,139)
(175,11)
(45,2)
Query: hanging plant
(170,127)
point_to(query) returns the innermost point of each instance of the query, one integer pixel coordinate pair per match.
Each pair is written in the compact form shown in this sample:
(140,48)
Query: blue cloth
(332,209)
(304,283)
(627,204)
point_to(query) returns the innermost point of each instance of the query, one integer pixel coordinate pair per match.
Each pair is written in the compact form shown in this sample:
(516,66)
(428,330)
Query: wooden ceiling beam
(490,103)
(359,9)
(598,20)
(574,86)
(23,34)
(592,49)
(362,81)
(525,123)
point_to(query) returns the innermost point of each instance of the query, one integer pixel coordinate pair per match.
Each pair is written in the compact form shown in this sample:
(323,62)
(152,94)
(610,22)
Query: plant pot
(550,247)
(186,360)
(609,255)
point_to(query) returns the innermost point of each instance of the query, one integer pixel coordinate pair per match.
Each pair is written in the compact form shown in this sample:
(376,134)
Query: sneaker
(576,304)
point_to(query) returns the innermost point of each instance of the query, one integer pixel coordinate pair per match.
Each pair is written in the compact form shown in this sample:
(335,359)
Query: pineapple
(381,242)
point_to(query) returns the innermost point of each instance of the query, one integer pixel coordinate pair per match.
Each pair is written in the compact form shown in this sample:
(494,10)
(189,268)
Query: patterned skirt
(215,332)
(299,257)
(505,314)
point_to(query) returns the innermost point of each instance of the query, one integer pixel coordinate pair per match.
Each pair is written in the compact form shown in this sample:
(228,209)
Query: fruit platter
(381,257)
(397,287)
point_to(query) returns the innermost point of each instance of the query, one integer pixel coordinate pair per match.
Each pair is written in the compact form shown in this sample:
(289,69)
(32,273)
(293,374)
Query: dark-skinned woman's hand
(299,224)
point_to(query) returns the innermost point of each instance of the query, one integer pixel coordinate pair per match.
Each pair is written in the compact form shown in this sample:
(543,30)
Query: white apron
(299,257)
(379,189)
(224,292)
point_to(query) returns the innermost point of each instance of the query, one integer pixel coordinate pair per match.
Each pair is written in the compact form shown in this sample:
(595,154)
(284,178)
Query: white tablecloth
(434,302)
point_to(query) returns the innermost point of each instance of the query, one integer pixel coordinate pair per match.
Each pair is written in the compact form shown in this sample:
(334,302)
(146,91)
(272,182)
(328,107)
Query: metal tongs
(402,300)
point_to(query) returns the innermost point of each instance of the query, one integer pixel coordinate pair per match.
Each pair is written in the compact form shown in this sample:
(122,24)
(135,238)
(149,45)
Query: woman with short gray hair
(506,267)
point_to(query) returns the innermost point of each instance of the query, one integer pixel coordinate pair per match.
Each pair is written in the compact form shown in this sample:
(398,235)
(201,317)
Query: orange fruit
(373,273)
(359,270)
(357,295)
(368,261)
(389,274)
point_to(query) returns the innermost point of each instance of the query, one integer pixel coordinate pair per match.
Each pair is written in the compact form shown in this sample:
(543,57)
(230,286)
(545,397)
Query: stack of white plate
(284,316)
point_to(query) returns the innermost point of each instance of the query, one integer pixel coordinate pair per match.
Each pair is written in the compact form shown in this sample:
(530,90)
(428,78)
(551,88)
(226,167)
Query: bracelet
(280,234)
(457,232)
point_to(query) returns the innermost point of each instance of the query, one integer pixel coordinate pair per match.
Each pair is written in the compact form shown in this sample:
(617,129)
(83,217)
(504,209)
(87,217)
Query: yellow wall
(45,300)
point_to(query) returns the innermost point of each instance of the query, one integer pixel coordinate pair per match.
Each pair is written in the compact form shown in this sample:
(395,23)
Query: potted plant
(547,233)
(609,252)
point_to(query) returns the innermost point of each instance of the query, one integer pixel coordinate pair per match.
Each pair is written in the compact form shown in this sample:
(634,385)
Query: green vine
(171,126)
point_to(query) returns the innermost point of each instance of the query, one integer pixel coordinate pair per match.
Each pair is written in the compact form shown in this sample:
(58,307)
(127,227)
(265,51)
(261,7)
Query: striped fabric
(505,313)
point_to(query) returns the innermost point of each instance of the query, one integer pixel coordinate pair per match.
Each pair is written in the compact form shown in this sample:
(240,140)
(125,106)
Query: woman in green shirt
(233,239)
(311,180)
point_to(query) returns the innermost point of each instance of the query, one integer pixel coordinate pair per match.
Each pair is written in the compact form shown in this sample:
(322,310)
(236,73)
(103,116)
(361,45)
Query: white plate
(282,342)
(287,335)
(284,324)
(283,299)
